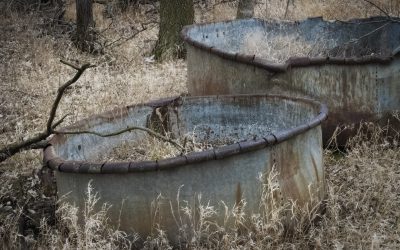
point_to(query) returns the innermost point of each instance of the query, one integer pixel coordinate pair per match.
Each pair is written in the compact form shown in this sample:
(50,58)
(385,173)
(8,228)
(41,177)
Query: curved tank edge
(288,157)
(294,61)
(53,161)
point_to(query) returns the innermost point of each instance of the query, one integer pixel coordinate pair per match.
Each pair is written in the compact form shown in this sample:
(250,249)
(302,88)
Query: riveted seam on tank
(226,151)
(58,167)
(157,166)
(101,167)
(266,142)
(270,139)
(285,135)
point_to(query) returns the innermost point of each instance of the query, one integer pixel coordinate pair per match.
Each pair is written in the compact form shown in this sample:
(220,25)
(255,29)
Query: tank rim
(294,61)
(53,161)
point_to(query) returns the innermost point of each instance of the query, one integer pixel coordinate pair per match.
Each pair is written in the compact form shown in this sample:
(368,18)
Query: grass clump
(362,185)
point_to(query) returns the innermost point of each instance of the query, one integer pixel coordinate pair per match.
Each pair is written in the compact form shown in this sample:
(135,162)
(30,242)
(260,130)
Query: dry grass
(279,48)
(87,230)
(362,204)
(152,148)
(300,9)
(149,148)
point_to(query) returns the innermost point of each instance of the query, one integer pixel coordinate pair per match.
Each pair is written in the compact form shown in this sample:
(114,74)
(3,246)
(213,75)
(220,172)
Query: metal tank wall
(355,86)
(228,173)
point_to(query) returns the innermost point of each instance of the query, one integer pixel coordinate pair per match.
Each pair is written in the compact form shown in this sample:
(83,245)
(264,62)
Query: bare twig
(369,33)
(70,64)
(61,90)
(128,129)
(287,8)
(59,121)
(379,8)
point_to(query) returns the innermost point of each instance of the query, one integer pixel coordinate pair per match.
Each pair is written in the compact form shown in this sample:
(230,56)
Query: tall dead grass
(360,210)
(300,9)
(87,230)
(362,203)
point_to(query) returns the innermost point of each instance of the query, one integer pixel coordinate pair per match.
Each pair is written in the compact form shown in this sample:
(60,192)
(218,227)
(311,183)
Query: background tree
(174,14)
(245,9)
(85,34)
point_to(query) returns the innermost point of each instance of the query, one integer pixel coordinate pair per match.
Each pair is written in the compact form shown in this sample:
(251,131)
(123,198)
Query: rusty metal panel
(356,70)
(270,131)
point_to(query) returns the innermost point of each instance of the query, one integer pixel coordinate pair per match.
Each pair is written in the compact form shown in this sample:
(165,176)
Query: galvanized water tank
(269,131)
(352,66)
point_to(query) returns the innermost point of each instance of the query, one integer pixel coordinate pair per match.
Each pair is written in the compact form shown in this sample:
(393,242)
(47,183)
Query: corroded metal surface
(278,127)
(356,72)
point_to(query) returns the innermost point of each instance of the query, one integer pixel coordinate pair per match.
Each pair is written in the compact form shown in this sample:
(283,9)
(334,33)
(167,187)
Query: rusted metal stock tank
(266,131)
(352,66)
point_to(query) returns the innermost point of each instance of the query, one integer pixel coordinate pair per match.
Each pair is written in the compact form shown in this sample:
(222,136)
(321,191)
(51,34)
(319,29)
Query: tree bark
(245,9)
(174,14)
(84,25)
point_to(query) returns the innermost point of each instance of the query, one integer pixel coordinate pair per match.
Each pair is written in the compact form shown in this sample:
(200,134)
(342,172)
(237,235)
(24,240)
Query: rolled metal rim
(53,161)
(294,61)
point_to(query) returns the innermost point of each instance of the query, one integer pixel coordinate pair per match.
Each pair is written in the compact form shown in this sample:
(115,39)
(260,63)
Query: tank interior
(198,123)
(314,37)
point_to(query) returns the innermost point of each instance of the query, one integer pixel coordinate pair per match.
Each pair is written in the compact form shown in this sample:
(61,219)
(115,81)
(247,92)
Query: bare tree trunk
(174,14)
(84,25)
(245,9)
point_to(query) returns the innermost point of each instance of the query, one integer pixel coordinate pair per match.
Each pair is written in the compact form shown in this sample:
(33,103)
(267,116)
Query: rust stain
(292,182)
(209,87)
(315,167)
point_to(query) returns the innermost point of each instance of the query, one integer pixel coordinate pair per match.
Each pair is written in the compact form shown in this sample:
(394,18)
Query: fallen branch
(128,129)
(39,141)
